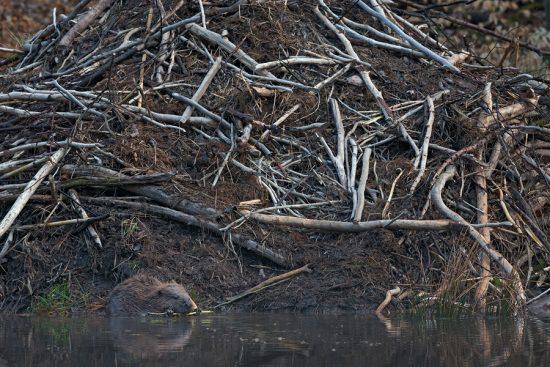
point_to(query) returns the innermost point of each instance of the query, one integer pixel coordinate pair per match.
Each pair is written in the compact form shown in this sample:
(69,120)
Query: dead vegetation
(268,129)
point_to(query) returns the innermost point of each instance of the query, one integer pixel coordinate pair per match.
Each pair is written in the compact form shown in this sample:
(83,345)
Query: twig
(390,195)
(426,51)
(202,89)
(280,120)
(340,133)
(78,207)
(389,294)
(266,283)
(82,222)
(362,185)
(423,158)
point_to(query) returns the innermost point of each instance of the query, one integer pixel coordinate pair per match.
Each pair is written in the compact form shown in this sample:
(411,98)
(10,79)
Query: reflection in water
(272,340)
(148,339)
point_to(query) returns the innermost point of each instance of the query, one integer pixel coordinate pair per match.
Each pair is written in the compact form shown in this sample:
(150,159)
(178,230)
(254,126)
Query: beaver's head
(173,297)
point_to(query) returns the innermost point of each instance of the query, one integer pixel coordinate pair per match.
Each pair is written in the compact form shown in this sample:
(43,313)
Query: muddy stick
(331,79)
(116,181)
(26,113)
(170,118)
(10,165)
(509,112)
(351,167)
(7,244)
(152,192)
(144,57)
(190,220)
(390,195)
(483,211)
(24,168)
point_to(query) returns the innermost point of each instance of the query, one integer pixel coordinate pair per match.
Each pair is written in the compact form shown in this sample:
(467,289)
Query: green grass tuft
(58,300)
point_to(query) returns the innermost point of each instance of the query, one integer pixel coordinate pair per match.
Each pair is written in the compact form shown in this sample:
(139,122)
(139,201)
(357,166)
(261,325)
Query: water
(272,340)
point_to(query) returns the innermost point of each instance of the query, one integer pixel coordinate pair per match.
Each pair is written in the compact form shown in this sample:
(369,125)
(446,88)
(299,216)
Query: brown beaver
(142,294)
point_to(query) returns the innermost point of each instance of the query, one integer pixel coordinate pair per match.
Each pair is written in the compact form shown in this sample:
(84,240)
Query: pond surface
(272,340)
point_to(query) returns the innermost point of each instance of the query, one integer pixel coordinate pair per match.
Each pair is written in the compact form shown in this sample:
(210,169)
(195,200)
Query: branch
(506,268)
(266,283)
(85,22)
(349,227)
(31,187)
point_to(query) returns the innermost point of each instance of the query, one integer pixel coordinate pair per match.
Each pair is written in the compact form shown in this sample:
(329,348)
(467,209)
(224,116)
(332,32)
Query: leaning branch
(267,283)
(85,22)
(506,268)
(31,187)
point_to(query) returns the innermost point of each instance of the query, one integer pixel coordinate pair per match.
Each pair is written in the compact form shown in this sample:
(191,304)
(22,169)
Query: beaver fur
(142,294)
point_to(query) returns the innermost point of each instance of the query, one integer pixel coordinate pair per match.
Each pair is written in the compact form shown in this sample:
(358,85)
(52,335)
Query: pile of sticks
(458,155)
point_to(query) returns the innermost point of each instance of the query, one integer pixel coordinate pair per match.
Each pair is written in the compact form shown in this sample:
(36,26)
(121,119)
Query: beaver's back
(142,294)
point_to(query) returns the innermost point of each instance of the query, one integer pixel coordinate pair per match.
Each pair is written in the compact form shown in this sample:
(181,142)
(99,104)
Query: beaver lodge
(269,155)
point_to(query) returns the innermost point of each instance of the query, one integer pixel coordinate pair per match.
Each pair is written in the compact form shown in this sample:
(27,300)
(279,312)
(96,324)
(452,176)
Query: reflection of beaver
(541,307)
(142,294)
(141,340)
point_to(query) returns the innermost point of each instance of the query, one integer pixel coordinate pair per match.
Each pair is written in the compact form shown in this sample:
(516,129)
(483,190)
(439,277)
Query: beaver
(142,294)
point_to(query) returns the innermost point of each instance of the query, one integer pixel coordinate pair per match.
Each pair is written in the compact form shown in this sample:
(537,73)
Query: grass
(193,293)
(129,227)
(59,299)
